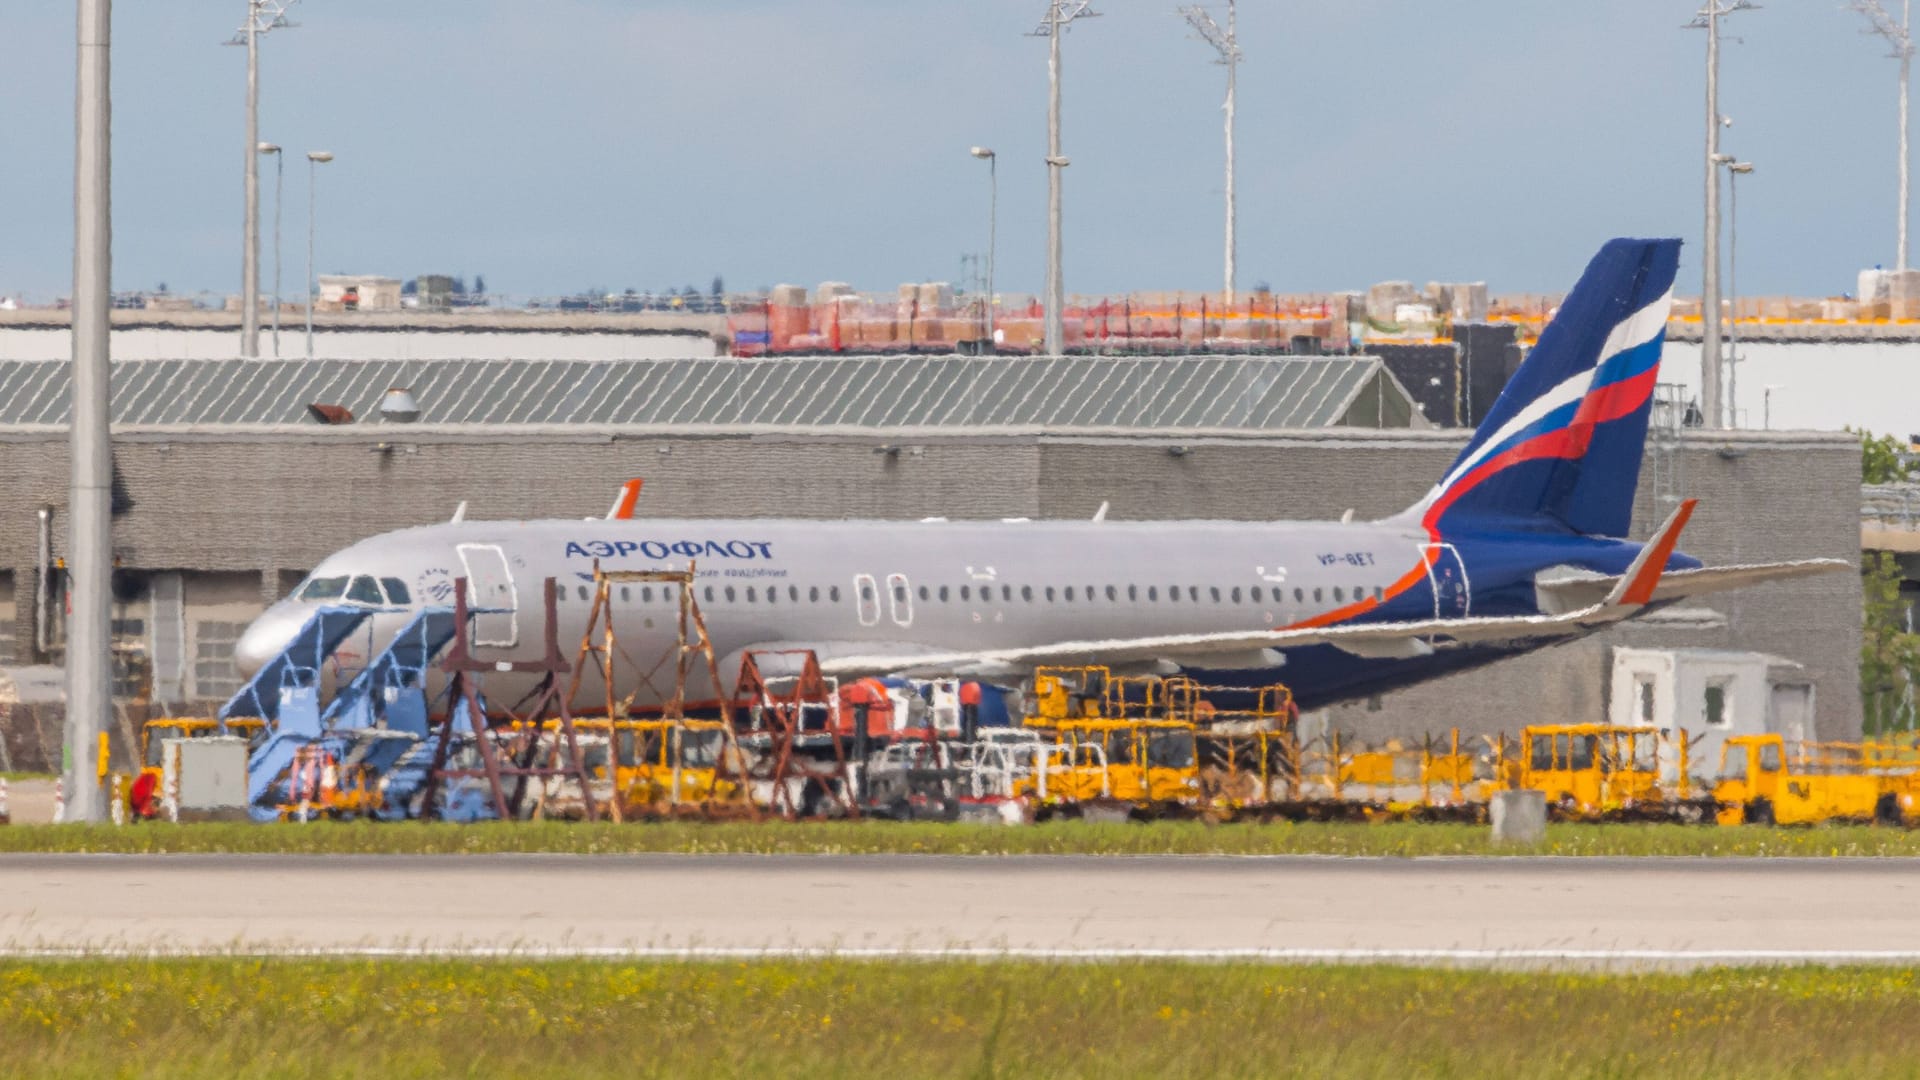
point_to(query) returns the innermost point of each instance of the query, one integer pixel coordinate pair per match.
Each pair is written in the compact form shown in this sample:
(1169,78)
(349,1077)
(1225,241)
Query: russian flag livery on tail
(1560,450)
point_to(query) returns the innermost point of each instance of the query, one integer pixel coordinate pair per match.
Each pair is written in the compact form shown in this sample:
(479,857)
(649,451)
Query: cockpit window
(324,588)
(364,591)
(396,591)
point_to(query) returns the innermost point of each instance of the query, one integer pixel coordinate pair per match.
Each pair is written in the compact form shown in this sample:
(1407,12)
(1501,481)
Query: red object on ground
(140,797)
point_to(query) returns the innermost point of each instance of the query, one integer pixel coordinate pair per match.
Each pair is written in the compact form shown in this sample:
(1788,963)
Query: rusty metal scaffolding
(781,718)
(518,740)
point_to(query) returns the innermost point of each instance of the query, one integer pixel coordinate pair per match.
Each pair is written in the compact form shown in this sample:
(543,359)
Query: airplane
(1521,544)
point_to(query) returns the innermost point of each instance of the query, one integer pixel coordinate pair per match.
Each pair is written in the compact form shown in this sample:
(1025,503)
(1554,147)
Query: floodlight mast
(1899,37)
(263,17)
(1708,19)
(1059,14)
(1227,44)
(90,446)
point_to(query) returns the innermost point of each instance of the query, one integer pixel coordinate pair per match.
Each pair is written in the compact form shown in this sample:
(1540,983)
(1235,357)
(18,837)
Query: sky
(568,145)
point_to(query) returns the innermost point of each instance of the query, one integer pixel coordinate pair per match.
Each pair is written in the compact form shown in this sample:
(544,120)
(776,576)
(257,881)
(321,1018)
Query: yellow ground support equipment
(1143,762)
(1588,770)
(1761,785)
(155,733)
(662,765)
(1066,694)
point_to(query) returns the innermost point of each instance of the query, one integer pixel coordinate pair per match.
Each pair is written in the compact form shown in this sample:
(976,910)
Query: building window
(214,674)
(1716,703)
(1643,689)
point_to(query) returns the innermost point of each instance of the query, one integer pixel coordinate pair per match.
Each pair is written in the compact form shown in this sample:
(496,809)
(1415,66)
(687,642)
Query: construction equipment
(1760,785)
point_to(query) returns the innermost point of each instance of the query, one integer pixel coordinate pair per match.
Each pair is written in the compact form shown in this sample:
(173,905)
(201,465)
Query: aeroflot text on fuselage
(661,549)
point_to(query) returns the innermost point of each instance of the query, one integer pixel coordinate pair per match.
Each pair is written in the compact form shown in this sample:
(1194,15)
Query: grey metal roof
(1249,393)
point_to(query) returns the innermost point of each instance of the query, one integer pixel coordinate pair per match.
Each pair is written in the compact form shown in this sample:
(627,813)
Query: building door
(1792,708)
(900,599)
(492,595)
(1452,592)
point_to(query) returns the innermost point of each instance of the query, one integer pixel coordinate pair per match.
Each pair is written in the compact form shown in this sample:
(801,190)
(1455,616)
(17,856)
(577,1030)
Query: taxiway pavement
(1581,911)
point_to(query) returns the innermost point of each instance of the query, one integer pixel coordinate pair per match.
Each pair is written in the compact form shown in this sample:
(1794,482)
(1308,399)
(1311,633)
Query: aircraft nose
(265,638)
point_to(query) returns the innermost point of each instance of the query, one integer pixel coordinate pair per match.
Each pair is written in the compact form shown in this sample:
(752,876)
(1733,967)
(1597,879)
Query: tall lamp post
(279,187)
(1059,14)
(315,159)
(1227,44)
(993,229)
(1899,37)
(263,16)
(1708,19)
(1735,170)
(90,437)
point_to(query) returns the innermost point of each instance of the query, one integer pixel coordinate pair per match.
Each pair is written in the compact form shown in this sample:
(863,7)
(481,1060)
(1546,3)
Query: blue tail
(1561,449)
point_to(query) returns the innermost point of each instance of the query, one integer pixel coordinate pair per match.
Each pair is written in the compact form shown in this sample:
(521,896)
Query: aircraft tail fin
(1560,450)
(622,508)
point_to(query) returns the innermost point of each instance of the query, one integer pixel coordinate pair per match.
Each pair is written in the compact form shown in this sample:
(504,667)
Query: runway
(1518,911)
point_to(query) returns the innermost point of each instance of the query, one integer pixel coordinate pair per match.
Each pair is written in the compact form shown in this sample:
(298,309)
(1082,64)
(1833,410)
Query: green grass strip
(890,838)
(221,1018)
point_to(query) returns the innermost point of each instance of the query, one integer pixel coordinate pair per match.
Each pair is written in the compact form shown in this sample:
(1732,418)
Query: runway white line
(1468,957)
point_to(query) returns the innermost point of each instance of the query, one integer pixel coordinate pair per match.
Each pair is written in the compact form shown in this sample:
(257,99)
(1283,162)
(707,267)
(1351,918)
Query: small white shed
(1710,694)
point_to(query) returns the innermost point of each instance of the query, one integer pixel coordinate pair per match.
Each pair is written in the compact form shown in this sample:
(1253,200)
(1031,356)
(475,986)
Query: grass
(241,1017)
(877,837)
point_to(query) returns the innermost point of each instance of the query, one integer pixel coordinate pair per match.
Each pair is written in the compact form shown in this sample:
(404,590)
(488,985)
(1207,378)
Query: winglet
(1636,586)
(622,508)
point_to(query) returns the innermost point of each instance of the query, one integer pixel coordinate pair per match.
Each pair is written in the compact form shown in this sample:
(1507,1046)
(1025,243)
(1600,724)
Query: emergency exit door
(492,595)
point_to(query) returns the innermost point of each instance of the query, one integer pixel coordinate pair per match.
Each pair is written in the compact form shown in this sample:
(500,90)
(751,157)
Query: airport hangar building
(233,477)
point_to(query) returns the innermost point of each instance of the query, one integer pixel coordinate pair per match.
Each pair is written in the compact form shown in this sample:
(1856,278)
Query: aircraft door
(866,596)
(900,599)
(490,590)
(1452,592)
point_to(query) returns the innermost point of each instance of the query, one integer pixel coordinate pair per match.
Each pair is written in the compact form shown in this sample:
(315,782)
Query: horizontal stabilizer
(1681,584)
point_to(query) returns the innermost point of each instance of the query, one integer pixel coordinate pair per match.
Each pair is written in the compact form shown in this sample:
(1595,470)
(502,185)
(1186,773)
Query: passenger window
(966,592)
(1006,593)
(364,591)
(773,594)
(899,594)
(1133,594)
(1299,595)
(1215,590)
(646,594)
(582,590)
(925,594)
(626,594)
(1193,593)
(1026,593)
(1113,595)
(750,597)
(396,591)
(1153,594)
(1236,594)
(729,594)
(1173,592)
(1379,593)
(1068,593)
(943,594)
(866,593)
(1338,595)
(833,593)
(1049,594)
(793,593)
(709,594)
(1316,596)
(323,588)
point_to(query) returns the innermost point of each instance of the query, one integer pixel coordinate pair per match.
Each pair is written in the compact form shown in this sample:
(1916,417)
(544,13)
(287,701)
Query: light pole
(1227,44)
(993,230)
(1735,170)
(315,159)
(90,437)
(279,187)
(1708,19)
(1899,37)
(262,16)
(1059,14)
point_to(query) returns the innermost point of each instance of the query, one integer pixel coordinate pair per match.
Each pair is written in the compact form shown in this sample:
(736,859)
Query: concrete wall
(245,512)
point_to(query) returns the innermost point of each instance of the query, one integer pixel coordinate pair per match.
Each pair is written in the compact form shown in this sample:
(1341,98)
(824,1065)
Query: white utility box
(205,779)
